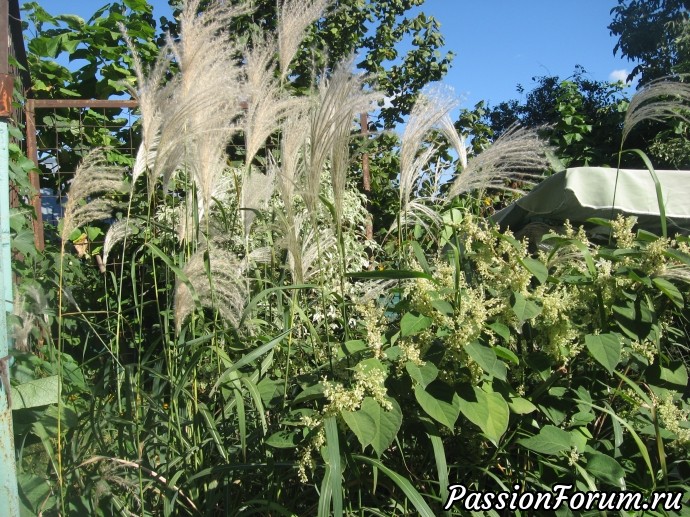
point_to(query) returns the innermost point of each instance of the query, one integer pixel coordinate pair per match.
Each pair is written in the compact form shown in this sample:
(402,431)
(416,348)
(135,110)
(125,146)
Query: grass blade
(410,491)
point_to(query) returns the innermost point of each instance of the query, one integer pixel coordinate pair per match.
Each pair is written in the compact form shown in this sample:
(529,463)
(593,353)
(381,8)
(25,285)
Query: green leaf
(424,374)
(521,406)
(669,290)
(605,349)
(408,489)
(505,353)
(605,468)
(411,324)
(537,268)
(551,440)
(674,377)
(351,347)
(440,402)
(523,308)
(635,319)
(487,359)
(362,424)
(488,411)
(500,329)
(39,392)
(333,457)
(283,440)
(390,274)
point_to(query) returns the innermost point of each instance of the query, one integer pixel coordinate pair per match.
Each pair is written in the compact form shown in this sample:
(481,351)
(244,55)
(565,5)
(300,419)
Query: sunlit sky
(498,43)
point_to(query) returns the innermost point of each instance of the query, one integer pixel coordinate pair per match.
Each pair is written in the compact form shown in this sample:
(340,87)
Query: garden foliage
(247,351)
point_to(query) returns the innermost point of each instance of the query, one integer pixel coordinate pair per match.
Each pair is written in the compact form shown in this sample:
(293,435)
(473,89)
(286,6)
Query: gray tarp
(581,193)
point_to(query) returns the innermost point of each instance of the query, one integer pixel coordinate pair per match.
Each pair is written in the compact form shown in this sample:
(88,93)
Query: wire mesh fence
(61,132)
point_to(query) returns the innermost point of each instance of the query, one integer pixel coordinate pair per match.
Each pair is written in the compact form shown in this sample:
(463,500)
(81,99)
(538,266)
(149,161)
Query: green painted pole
(9,498)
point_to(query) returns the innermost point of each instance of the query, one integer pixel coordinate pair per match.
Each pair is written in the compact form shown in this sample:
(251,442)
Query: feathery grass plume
(658,100)
(116,233)
(340,98)
(222,287)
(28,305)
(456,140)
(207,170)
(86,203)
(431,109)
(294,16)
(267,105)
(257,188)
(289,226)
(518,154)
(150,104)
(293,140)
(202,99)
(303,244)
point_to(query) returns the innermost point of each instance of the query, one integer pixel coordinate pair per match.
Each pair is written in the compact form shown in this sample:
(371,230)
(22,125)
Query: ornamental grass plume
(257,190)
(150,107)
(431,109)
(340,98)
(267,104)
(518,154)
(90,193)
(215,280)
(200,99)
(294,16)
(117,232)
(658,100)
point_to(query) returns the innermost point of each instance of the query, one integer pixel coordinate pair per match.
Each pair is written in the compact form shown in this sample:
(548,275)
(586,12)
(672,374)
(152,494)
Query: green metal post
(9,498)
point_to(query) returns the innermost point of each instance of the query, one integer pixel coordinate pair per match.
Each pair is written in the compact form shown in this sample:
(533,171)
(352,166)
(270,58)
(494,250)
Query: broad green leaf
(550,440)
(443,307)
(374,425)
(605,349)
(634,319)
(669,290)
(39,392)
(411,324)
(521,406)
(488,411)
(523,308)
(675,376)
(605,468)
(487,359)
(283,440)
(537,268)
(424,374)
(351,347)
(506,354)
(500,329)
(361,424)
(440,402)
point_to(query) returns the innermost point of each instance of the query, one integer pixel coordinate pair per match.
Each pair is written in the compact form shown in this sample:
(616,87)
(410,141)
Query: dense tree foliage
(654,34)
(581,117)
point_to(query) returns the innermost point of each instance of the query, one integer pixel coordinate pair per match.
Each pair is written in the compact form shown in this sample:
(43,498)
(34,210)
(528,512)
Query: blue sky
(498,43)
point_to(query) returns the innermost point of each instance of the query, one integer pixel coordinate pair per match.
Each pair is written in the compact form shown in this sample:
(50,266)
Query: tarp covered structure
(581,193)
